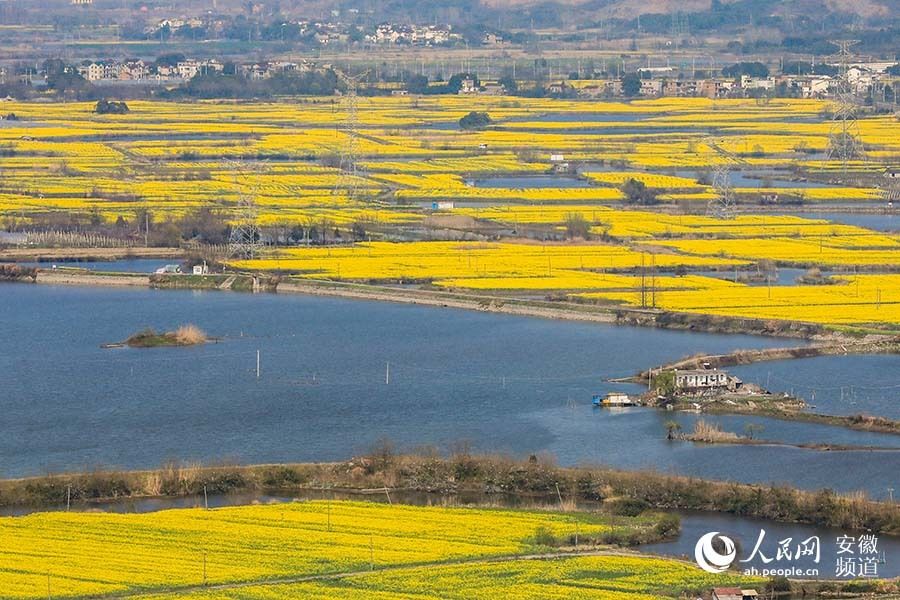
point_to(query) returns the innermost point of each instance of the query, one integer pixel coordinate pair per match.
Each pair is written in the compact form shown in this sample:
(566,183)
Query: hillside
(627,9)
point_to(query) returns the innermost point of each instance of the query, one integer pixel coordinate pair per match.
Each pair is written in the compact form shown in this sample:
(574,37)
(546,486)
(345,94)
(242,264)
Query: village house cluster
(175,24)
(325,32)
(140,70)
(864,79)
(184,70)
(413,35)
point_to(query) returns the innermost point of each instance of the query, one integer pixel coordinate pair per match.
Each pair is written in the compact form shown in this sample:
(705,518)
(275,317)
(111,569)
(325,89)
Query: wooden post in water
(257,364)
(387,373)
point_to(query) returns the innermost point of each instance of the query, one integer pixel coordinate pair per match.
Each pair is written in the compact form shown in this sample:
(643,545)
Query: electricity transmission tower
(245,241)
(347,184)
(844,143)
(724,204)
(679,28)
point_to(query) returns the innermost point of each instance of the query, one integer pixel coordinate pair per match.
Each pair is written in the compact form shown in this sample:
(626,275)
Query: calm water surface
(504,383)
(839,385)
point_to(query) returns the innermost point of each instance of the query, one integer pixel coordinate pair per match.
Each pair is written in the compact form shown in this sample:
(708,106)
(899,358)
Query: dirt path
(880,345)
(388,569)
(427,298)
(62,277)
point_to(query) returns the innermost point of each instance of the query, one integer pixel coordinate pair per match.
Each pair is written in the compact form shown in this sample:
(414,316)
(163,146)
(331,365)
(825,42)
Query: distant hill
(628,9)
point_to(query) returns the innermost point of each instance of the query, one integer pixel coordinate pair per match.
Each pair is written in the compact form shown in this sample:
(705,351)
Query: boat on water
(613,400)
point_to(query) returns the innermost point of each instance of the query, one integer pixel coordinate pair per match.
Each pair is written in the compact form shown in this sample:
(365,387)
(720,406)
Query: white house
(703,379)
(94,71)
(467,86)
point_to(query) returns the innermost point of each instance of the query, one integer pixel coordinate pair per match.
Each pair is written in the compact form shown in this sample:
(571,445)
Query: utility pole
(643,282)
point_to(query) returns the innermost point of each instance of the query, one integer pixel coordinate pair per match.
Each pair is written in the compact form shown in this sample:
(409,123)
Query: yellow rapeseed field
(81,554)
(171,158)
(854,300)
(455,260)
(824,250)
(174,158)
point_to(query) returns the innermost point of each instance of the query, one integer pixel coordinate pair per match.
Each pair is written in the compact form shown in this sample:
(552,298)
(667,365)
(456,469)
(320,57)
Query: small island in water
(186,335)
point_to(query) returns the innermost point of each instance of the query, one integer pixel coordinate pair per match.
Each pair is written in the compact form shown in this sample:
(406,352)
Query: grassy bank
(626,492)
(711,433)
(859,422)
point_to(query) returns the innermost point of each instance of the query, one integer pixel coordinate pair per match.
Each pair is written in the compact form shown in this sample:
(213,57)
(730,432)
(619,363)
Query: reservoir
(503,383)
